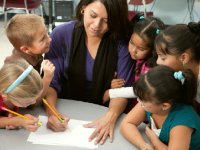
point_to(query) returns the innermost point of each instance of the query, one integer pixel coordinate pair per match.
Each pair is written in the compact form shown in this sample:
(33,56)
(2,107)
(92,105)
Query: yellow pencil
(20,115)
(53,110)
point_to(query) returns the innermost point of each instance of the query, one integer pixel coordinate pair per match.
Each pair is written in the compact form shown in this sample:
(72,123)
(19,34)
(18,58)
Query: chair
(139,3)
(29,6)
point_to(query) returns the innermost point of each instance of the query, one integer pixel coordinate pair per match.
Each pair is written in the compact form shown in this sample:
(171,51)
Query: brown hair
(179,38)
(160,85)
(116,10)
(21,29)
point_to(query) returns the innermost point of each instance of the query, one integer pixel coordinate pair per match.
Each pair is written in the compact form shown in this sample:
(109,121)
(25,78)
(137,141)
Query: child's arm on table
(53,122)
(17,122)
(129,128)
(180,137)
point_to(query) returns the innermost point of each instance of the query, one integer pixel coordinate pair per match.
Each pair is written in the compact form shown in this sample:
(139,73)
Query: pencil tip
(39,123)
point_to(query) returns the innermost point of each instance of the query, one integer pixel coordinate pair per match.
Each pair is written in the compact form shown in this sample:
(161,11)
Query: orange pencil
(17,114)
(53,110)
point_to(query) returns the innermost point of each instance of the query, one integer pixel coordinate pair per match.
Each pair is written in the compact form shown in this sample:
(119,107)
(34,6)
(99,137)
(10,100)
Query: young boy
(28,35)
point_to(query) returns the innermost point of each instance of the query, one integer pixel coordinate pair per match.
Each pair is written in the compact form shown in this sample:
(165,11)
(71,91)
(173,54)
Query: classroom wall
(173,11)
(170,11)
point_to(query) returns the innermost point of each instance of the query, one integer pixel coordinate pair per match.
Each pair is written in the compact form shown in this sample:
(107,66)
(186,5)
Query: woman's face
(95,19)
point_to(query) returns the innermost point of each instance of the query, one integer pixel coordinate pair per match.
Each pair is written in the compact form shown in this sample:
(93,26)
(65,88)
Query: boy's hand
(48,69)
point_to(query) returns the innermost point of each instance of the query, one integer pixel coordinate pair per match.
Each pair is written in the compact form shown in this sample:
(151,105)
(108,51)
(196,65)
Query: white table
(17,139)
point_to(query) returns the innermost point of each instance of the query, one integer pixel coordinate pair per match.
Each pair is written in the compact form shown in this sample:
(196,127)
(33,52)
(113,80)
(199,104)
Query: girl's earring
(182,61)
(164,108)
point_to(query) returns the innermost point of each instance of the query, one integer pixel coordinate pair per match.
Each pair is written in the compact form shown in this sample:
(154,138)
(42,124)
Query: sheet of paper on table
(76,135)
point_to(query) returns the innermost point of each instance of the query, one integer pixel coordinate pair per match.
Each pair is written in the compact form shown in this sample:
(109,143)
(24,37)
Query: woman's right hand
(55,125)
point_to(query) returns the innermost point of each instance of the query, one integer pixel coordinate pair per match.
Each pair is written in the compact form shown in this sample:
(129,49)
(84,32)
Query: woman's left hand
(104,128)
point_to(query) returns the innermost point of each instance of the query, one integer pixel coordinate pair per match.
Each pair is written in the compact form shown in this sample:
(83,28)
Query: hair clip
(157,31)
(179,76)
(19,79)
(141,17)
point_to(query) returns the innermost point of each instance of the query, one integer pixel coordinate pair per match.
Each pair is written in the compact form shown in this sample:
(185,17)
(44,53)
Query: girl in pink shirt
(141,49)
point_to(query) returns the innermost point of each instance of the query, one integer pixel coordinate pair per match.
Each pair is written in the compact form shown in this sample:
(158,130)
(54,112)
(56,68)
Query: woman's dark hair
(177,39)
(160,85)
(117,10)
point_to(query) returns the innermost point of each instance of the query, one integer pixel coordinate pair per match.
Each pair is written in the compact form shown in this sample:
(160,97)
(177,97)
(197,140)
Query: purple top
(59,55)
(89,66)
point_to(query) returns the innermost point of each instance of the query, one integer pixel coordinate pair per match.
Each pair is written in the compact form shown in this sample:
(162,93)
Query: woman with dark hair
(86,53)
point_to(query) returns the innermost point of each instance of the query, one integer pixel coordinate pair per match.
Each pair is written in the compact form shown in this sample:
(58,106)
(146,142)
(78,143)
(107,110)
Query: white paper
(76,135)
(124,92)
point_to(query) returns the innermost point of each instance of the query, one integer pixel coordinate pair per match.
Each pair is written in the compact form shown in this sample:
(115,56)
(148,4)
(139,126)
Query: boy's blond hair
(22,28)
(30,87)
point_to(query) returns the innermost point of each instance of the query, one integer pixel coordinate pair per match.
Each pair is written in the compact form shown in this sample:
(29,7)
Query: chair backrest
(139,2)
(31,4)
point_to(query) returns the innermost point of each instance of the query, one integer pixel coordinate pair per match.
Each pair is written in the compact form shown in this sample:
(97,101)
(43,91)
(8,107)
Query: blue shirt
(185,115)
